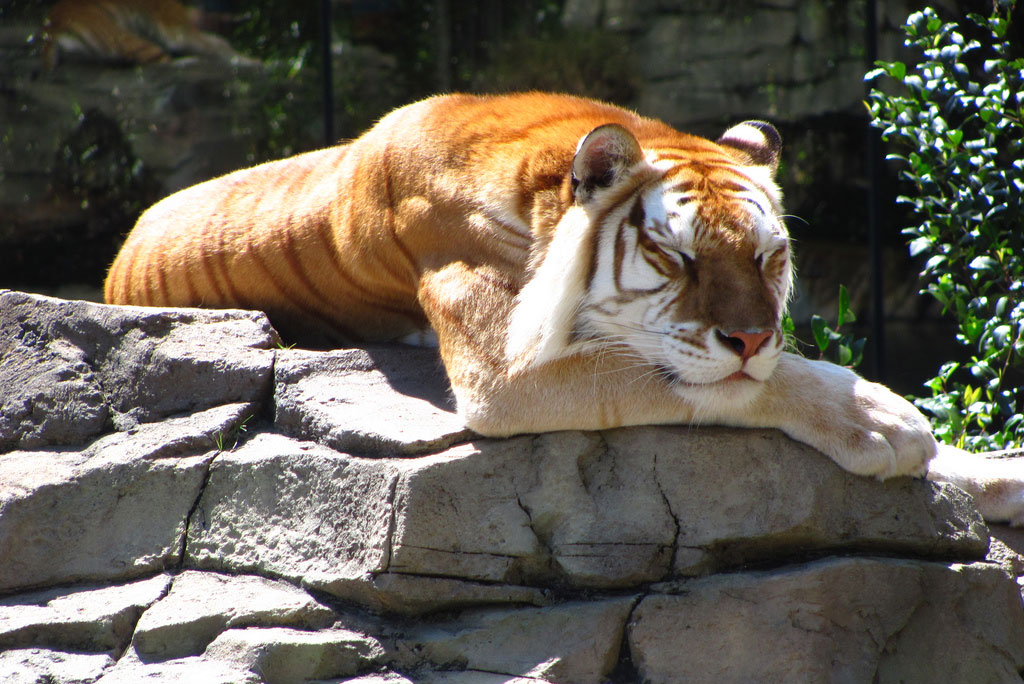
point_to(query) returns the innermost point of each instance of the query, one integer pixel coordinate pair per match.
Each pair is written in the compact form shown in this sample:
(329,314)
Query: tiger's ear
(757,141)
(602,156)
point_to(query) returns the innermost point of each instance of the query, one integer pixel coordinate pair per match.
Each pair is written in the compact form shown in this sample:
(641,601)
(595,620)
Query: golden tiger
(135,31)
(583,267)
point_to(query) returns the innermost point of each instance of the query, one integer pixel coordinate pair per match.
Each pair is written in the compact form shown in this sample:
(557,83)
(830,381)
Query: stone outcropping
(183,499)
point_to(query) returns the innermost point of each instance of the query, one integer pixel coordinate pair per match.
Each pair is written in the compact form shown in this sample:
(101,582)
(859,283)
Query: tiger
(580,266)
(129,31)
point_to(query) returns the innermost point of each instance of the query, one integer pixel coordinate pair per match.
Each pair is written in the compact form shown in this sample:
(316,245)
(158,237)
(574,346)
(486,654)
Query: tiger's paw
(863,426)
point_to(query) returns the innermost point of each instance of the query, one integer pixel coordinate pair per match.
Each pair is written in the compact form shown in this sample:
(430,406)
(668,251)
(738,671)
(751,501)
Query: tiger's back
(332,244)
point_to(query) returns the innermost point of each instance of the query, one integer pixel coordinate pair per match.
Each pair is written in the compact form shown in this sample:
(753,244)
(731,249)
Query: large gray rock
(592,510)
(325,541)
(290,656)
(841,620)
(116,509)
(322,396)
(641,504)
(88,619)
(71,370)
(297,510)
(36,665)
(130,670)
(578,641)
(200,606)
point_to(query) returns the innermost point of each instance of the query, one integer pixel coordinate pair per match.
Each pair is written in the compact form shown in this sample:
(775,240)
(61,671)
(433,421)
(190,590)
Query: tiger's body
(129,31)
(583,268)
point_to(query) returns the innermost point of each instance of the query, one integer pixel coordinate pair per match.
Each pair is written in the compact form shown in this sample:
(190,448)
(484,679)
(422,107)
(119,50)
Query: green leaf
(820,331)
(844,306)
(845,355)
(920,245)
(983,263)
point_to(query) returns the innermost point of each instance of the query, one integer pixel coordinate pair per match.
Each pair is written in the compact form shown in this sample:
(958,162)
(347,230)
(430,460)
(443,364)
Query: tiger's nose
(746,343)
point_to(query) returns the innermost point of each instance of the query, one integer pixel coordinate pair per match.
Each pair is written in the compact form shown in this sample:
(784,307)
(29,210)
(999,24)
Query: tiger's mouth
(738,375)
(674,378)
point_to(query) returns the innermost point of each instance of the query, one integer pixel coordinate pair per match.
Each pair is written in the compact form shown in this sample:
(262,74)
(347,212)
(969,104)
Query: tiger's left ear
(756,141)
(602,157)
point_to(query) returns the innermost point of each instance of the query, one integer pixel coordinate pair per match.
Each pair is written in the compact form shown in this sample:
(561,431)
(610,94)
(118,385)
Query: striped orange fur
(582,266)
(332,243)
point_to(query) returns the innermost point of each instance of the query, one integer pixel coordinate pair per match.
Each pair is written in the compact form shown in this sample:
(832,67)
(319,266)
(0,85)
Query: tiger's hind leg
(995,480)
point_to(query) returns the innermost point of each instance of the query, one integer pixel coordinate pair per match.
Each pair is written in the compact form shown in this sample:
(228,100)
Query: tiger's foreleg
(863,426)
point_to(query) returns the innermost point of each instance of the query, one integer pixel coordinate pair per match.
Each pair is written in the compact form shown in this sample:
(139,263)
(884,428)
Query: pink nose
(746,343)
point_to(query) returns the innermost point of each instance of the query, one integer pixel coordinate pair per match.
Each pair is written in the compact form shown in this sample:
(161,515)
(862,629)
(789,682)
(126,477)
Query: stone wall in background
(183,500)
(709,61)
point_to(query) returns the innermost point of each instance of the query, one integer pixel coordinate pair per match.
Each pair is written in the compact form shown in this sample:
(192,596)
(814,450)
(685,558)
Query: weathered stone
(201,605)
(289,656)
(43,666)
(596,504)
(677,39)
(379,401)
(572,642)
(838,620)
(1007,548)
(130,670)
(90,619)
(757,494)
(482,549)
(604,509)
(295,510)
(71,370)
(115,510)
(553,507)
(426,676)
(396,593)
(592,510)
(458,515)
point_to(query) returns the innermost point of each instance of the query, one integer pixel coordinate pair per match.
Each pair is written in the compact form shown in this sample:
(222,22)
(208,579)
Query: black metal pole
(328,78)
(876,338)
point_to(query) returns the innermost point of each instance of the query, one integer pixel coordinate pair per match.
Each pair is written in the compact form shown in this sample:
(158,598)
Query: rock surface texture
(184,500)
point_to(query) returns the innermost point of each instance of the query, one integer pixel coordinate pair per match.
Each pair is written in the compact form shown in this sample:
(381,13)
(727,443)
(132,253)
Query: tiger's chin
(734,391)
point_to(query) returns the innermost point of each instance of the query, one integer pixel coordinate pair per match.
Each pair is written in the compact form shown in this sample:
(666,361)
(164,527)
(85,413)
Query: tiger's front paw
(877,432)
(863,426)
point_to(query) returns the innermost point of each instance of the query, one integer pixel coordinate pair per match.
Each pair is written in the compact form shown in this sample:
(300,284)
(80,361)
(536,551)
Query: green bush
(960,115)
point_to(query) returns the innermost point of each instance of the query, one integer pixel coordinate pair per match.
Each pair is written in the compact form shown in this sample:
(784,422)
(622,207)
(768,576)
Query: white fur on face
(635,305)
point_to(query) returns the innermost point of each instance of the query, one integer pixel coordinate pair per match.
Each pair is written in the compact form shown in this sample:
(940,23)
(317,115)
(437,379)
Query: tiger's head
(675,256)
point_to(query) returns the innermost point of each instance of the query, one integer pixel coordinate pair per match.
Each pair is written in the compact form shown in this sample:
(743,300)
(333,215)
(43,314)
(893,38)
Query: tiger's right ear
(757,141)
(602,156)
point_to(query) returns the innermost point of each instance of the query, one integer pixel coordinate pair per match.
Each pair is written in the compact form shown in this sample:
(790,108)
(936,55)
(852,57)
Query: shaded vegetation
(959,117)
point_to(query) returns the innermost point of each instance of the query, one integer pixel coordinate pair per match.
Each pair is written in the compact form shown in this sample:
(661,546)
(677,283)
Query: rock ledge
(181,499)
